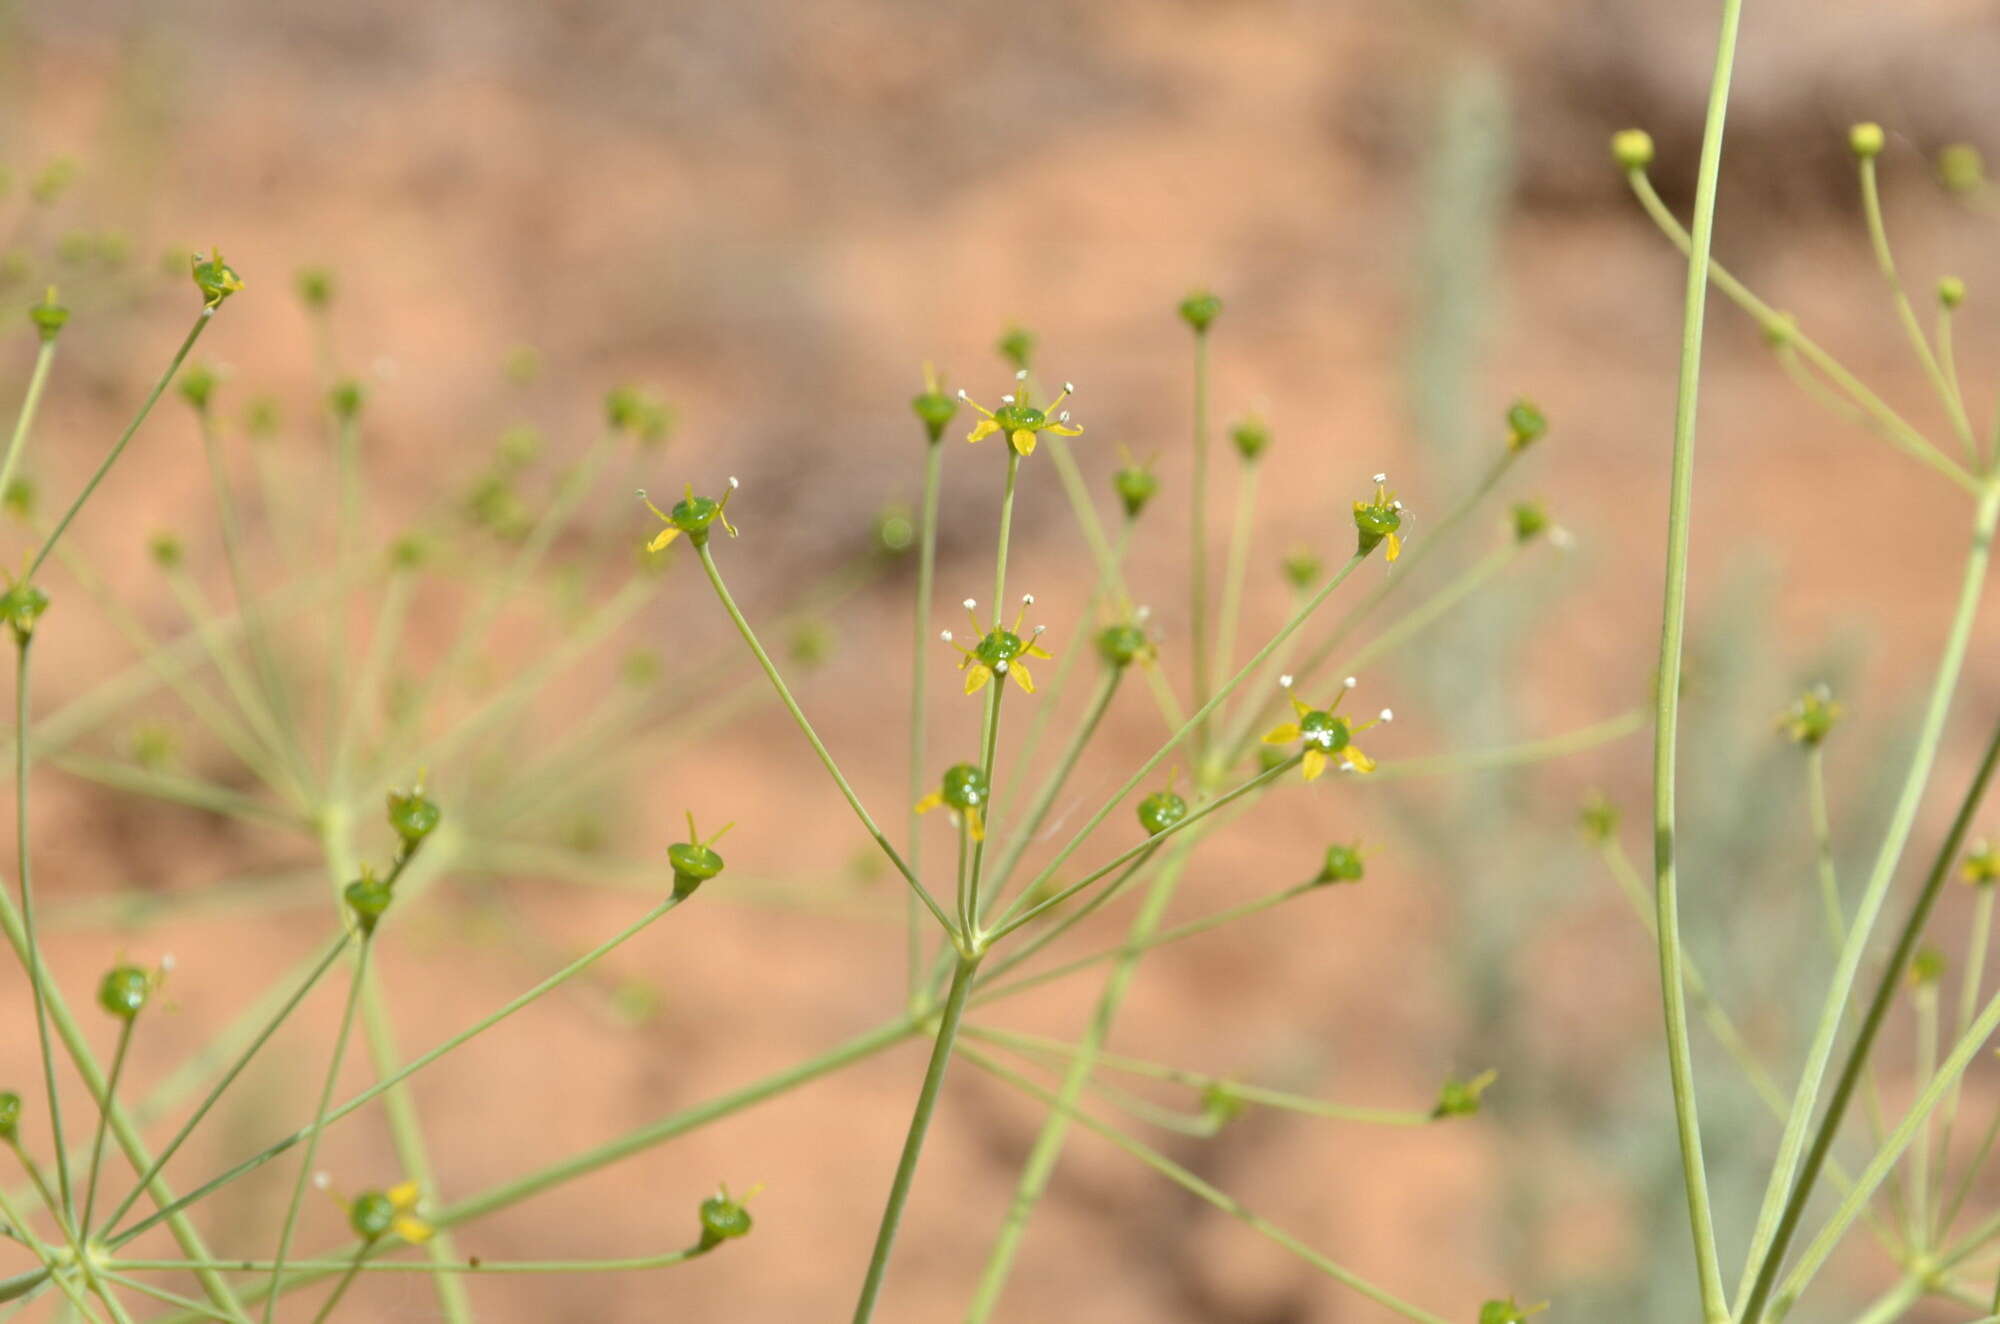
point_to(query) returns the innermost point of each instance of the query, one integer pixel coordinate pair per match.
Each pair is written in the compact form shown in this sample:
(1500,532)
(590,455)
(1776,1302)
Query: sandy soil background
(776,213)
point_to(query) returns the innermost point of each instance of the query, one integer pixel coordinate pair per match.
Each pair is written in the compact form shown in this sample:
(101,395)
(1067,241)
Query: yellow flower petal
(1300,708)
(667,535)
(1282,735)
(413,1229)
(984,428)
(1313,764)
(404,1197)
(1361,762)
(977,677)
(975,826)
(1021,676)
(1036,650)
(1024,441)
(935,800)
(1062,429)
(1395,546)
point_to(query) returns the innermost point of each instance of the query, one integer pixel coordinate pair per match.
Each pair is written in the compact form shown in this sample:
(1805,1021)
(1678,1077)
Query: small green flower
(1377,520)
(1599,818)
(413,815)
(1508,1311)
(933,408)
(1526,425)
(197,386)
(48,316)
(368,899)
(695,860)
(21,606)
(1020,420)
(1530,521)
(1811,717)
(1981,866)
(346,398)
(1632,149)
(691,515)
(216,279)
(1927,966)
(1122,645)
(1961,169)
(166,549)
(999,651)
(1017,346)
(1324,734)
(125,989)
(1460,1098)
(1221,1104)
(723,1217)
(1866,140)
(895,530)
(1951,292)
(1135,483)
(1343,865)
(315,287)
(1251,437)
(964,790)
(375,1214)
(1162,809)
(639,414)
(1200,309)
(1302,568)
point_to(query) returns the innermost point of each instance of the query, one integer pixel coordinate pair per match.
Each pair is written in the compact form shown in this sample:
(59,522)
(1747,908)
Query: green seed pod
(216,279)
(1460,1098)
(21,606)
(10,1116)
(413,815)
(1160,811)
(315,287)
(933,408)
(895,531)
(1526,425)
(695,861)
(1927,966)
(197,386)
(1951,292)
(1017,346)
(1632,149)
(1531,521)
(1302,569)
(124,990)
(1961,169)
(1599,818)
(1122,645)
(1200,309)
(368,897)
(346,399)
(1343,865)
(723,1218)
(371,1215)
(1866,140)
(1136,485)
(48,316)
(1251,438)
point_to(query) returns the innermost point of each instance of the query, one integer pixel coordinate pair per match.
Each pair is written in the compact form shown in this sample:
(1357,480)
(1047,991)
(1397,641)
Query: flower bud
(413,815)
(1961,169)
(1981,867)
(1508,1311)
(48,316)
(368,898)
(10,1116)
(1599,819)
(1017,346)
(346,399)
(1530,520)
(1200,309)
(166,549)
(315,287)
(19,498)
(895,531)
(1811,717)
(197,386)
(1632,149)
(124,990)
(216,279)
(1525,425)
(1343,865)
(1927,966)
(1866,140)
(1136,485)
(933,408)
(1460,1098)
(638,413)
(1251,438)
(1160,811)
(723,1218)
(1951,291)
(371,1215)
(1302,569)
(694,861)
(21,606)
(1122,645)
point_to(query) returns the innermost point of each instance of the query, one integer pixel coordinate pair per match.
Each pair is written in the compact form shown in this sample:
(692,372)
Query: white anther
(167,963)
(945,635)
(322,1180)
(1388,715)
(1041,630)
(1285,682)
(1007,399)
(1381,478)
(1346,766)
(1561,538)
(1063,417)
(1349,682)
(733,484)
(1027,599)
(1069,388)
(1142,613)
(1000,667)
(1021,375)
(971,604)
(1395,505)
(962,395)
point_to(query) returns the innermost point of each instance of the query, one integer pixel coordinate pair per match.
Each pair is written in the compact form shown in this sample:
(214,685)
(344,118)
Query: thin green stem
(49,1270)
(989,748)
(24,422)
(340,1038)
(1885,991)
(201,322)
(345,1281)
(1222,1200)
(1822,831)
(228,1078)
(1968,1004)
(812,738)
(1236,567)
(1878,239)
(1006,533)
(38,975)
(467,1268)
(1673,985)
(1199,642)
(913,1143)
(118,1056)
(1969,1176)
(1431,610)
(1020,838)
(927,539)
(1918,1232)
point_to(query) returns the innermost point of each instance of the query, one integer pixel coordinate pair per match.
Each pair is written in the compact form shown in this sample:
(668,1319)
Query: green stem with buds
(24,422)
